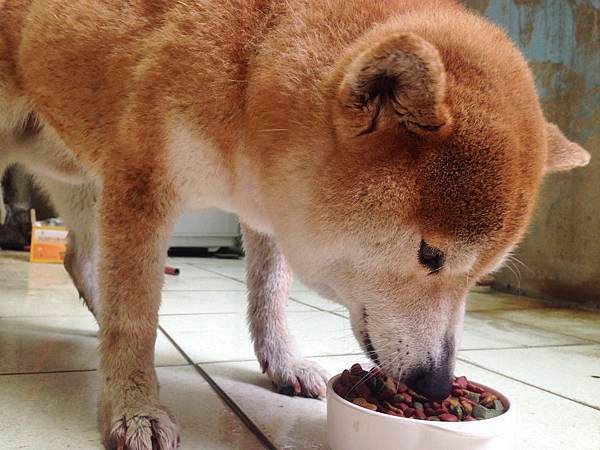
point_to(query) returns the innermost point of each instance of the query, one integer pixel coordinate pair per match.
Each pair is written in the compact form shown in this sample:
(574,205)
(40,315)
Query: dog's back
(135,60)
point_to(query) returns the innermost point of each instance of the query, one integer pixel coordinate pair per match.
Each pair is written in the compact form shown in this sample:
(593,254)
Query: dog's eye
(431,257)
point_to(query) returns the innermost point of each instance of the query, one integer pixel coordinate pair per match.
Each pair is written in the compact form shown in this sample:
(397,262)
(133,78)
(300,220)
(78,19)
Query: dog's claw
(157,432)
(287,389)
(299,377)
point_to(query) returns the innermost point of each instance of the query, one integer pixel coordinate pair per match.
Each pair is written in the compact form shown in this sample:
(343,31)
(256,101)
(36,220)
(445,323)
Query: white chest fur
(204,180)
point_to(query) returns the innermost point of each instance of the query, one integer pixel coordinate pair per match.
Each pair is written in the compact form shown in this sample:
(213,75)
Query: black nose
(431,257)
(434,384)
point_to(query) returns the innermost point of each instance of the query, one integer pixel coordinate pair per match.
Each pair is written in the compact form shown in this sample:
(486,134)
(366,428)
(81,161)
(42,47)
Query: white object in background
(210,229)
(351,427)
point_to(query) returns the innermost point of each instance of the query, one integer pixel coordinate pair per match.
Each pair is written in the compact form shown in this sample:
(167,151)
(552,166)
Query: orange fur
(347,132)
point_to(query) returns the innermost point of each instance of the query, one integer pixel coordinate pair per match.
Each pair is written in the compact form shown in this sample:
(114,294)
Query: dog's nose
(435,380)
(434,384)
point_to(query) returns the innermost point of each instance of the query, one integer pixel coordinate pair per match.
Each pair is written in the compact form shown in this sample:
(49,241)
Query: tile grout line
(526,347)
(203,290)
(252,427)
(515,309)
(335,313)
(233,361)
(289,296)
(548,391)
(7,374)
(227,313)
(538,328)
(59,371)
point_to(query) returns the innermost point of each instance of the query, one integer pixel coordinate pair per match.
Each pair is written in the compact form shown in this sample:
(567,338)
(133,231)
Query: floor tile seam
(235,408)
(526,347)
(538,328)
(66,371)
(548,391)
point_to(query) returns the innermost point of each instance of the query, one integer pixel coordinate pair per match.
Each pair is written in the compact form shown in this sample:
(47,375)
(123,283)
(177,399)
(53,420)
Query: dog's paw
(155,431)
(297,377)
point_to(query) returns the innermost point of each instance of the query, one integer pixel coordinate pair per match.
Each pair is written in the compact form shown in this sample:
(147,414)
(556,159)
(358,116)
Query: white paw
(154,431)
(297,377)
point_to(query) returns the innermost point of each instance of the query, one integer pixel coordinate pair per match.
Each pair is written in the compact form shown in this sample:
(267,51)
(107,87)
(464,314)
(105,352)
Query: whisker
(514,266)
(437,270)
(515,275)
(515,259)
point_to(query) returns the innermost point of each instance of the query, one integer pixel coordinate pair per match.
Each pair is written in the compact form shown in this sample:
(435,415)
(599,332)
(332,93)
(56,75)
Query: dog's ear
(562,153)
(399,81)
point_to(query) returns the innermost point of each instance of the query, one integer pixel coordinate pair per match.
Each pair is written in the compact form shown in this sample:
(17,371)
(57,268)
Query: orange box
(48,243)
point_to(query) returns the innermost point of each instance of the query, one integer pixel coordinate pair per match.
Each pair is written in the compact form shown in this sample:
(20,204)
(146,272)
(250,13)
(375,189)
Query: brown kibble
(429,411)
(356,369)
(373,400)
(461,382)
(417,397)
(364,404)
(386,394)
(390,407)
(465,399)
(391,384)
(345,378)
(452,402)
(458,392)
(448,418)
(476,389)
(341,390)
(488,400)
(467,407)
(420,415)
(363,390)
(409,412)
(376,392)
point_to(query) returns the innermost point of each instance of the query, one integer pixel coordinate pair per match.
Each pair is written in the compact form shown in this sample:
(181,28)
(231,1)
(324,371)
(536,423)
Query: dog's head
(438,150)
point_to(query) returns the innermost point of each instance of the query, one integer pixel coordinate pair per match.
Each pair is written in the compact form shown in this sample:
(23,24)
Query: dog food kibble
(374,391)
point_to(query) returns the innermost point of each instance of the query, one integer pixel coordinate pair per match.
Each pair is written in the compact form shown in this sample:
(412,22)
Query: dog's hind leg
(76,204)
(35,147)
(2,204)
(269,279)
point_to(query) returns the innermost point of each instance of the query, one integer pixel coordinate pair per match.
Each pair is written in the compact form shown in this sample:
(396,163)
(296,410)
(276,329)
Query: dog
(389,152)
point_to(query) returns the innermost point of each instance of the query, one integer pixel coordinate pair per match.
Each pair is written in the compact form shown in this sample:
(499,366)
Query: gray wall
(560,38)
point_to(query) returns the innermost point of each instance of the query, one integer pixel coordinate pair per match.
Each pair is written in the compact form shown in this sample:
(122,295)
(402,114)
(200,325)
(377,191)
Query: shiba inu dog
(389,152)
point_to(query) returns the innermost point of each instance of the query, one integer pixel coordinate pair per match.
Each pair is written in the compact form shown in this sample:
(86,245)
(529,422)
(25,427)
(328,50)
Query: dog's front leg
(269,279)
(136,213)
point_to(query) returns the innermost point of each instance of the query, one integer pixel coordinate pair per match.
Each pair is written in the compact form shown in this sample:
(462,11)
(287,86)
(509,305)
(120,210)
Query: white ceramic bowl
(351,427)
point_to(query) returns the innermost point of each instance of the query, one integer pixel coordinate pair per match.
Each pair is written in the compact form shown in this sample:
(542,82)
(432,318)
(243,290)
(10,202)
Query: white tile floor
(546,357)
